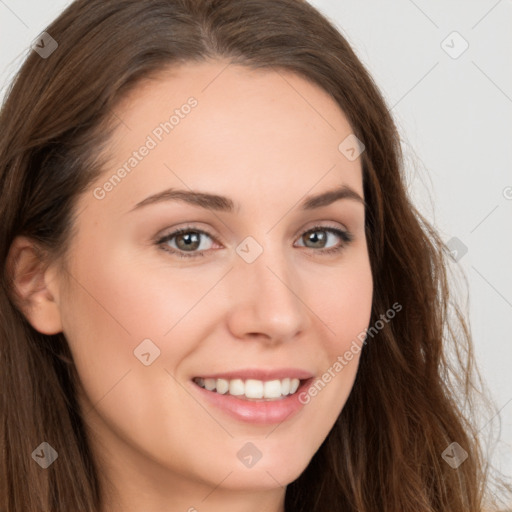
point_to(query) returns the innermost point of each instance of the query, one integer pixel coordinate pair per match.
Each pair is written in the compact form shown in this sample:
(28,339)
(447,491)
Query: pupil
(191,240)
(313,237)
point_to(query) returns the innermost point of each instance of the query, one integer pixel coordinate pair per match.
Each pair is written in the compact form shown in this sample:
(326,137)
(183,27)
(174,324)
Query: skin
(265,139)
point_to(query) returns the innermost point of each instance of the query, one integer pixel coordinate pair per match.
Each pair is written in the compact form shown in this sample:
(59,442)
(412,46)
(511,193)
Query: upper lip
(261,374)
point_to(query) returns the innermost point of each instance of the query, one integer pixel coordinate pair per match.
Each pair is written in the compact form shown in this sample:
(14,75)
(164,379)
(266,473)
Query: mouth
(252,390)
(264,396)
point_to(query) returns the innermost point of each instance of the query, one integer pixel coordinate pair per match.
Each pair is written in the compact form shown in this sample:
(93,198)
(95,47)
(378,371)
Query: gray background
(454,116)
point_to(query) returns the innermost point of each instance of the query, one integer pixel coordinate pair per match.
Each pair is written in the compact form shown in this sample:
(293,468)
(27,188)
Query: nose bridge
(266,291)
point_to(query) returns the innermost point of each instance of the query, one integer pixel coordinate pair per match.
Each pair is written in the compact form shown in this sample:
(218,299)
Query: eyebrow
(225,204)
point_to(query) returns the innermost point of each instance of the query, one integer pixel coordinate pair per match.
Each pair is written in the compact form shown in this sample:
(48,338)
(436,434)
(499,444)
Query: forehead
(218,126)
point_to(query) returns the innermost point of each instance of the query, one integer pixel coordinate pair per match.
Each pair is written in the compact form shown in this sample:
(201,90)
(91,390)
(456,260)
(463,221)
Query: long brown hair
(407,404)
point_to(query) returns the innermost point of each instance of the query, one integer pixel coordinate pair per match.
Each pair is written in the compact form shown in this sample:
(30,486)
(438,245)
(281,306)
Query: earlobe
(34,286)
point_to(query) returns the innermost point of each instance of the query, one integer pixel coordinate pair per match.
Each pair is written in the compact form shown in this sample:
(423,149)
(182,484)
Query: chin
(276,472)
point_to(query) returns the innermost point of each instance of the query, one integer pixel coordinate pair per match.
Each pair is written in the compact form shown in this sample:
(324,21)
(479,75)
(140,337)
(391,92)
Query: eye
(185,240)
(192,241)
(321,236)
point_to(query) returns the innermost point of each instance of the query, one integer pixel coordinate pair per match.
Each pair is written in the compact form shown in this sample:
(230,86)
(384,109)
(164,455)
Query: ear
(34,285)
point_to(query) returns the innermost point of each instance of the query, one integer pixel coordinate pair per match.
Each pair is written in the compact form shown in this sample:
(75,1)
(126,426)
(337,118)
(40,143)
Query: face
(262,284)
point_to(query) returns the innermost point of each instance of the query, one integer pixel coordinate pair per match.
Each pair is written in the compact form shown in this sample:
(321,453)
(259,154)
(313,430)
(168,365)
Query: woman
(216,293)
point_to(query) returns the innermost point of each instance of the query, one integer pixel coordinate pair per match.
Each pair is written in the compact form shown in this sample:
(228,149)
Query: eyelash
(345,236)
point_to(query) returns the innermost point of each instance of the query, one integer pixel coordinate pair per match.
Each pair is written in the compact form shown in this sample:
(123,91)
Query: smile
(260,402)
(251,388)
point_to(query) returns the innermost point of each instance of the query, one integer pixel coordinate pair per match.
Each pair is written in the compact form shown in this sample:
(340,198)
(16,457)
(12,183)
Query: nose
(267,301)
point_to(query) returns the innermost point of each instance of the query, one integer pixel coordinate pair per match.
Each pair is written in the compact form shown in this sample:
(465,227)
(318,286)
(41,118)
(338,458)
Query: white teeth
(236,387)
(272,389)
(222,386)
(251,388)
(285,386)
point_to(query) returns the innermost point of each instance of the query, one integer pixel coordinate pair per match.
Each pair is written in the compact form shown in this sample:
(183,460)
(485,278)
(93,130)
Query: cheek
(117,302)
(107,312)
(344,302)
(343,305)
(127,298)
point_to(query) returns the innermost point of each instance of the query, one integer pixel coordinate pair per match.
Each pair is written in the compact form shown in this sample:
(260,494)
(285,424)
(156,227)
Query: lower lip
(266,412)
